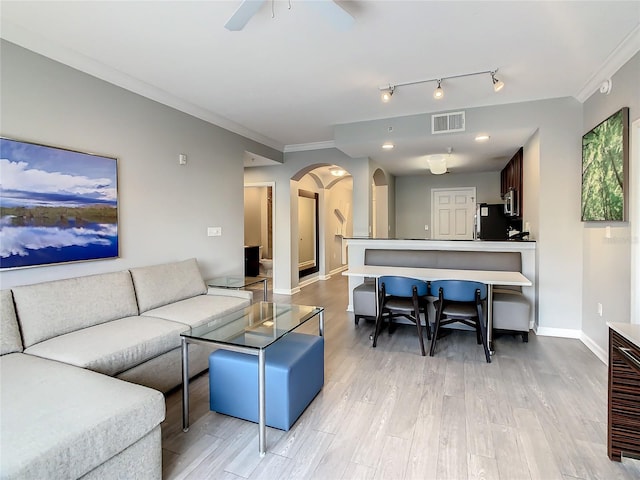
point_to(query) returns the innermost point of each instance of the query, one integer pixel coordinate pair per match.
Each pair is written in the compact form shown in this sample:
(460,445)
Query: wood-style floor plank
(537,412)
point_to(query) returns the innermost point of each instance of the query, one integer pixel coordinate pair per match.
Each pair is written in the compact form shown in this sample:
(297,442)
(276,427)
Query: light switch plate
(214,231)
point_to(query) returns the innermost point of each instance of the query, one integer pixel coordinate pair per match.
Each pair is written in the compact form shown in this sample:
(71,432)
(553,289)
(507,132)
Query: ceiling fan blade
(338,16)
(243,14)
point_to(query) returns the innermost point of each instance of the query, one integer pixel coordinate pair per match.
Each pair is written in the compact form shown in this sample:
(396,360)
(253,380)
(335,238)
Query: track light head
(497,84)
(438,93)
(387,93)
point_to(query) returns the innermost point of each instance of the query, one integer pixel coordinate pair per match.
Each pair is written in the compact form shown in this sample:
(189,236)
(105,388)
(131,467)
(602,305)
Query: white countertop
(493,277)
(427,244)
(630,331)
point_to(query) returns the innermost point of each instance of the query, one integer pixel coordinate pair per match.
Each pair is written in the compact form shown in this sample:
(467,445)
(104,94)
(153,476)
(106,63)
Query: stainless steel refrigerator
(490,222)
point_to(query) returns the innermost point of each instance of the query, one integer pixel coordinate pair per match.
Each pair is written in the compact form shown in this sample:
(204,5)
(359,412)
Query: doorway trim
(315,268)
(274,240)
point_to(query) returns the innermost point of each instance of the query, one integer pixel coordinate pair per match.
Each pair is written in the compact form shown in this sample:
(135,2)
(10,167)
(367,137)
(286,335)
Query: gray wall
(413,198)
(552,201)
(164,208)
(606,261)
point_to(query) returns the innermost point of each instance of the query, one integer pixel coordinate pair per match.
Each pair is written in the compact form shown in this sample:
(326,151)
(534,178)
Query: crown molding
(620,55)
(38,44)
(304,147)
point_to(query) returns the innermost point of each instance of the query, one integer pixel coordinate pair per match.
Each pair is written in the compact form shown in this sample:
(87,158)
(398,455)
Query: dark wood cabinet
(511,177)
(624,397)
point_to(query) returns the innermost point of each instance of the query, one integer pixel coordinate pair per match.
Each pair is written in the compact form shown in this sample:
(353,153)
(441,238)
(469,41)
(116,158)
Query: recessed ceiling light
(337,172)
(483,137)
(388,145)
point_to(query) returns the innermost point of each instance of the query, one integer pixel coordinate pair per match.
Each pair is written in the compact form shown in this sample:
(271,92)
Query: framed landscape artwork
(605,170)
(56,205)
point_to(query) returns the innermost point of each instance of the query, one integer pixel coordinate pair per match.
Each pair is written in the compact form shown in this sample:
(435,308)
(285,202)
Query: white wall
(531,198)
(164,208)
(338,196)
(606,261)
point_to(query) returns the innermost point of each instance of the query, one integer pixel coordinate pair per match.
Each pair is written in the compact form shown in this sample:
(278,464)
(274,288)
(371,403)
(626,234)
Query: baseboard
(324,277)
(558,332)
(281,291)
(595,348)
(577,334)
(341,268)
(308,281)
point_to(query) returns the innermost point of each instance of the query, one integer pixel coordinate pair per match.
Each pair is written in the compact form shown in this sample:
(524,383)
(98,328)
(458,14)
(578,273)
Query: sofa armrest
(230,292)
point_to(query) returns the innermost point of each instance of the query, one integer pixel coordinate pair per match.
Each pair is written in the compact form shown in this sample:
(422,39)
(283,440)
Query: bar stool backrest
(403,286)
(459,290)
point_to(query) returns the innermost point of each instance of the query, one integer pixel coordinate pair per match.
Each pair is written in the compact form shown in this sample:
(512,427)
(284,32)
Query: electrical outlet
(599,309)
(214,231)
(426,227)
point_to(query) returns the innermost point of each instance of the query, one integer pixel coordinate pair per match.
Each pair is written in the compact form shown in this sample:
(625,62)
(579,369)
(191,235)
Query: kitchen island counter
(357,246)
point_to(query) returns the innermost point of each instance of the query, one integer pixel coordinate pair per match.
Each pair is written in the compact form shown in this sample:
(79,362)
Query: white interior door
(452,211)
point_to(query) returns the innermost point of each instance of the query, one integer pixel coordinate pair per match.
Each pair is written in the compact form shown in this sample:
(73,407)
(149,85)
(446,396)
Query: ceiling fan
(338,16)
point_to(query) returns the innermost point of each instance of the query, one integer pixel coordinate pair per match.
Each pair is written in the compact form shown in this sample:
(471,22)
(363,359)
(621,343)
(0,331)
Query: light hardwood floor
(538,411)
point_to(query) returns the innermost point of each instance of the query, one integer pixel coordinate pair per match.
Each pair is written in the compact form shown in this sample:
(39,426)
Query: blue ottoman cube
(294,374)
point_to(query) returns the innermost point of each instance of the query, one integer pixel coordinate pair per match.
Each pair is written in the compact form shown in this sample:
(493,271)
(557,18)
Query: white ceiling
(287,81)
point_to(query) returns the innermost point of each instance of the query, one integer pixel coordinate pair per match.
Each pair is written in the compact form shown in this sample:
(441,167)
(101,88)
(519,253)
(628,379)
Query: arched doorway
(323,197)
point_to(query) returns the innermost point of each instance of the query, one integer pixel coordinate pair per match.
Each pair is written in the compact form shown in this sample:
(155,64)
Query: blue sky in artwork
(32,175)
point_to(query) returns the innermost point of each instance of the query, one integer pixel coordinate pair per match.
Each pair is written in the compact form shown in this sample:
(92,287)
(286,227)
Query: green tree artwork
(604,169)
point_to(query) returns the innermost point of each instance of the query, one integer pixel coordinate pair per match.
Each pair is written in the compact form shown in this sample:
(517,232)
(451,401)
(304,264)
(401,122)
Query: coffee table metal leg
(185,386)
(262,417)
(321,324)
(265,282)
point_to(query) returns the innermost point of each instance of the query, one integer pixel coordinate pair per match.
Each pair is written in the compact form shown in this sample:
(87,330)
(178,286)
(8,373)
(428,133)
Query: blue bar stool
(402,297)
(460,301)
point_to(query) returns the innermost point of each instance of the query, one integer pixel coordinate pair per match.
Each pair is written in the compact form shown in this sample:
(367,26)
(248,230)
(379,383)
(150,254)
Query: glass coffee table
(251,331)
(237,283)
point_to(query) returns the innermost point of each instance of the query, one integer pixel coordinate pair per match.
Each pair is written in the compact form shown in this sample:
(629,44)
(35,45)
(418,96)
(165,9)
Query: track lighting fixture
(388,90)
(387,93)
(438,93)
(497,84)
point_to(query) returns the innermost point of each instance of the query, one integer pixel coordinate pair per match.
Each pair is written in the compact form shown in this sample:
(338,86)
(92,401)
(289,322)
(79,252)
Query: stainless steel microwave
(511,207)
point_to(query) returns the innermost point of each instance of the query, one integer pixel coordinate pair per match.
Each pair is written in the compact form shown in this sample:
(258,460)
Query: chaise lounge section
(67,346)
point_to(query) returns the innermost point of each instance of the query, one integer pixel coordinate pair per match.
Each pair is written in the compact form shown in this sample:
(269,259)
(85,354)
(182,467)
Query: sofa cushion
(50,309)
(10,340)
(159,285)
(60,421)
(113,347)
(199,310)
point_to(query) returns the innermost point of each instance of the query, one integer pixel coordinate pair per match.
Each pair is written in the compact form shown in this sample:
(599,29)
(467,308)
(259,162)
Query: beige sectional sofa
(67,346)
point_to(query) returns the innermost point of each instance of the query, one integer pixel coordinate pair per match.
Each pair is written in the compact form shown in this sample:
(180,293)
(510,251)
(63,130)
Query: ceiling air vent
(447,122)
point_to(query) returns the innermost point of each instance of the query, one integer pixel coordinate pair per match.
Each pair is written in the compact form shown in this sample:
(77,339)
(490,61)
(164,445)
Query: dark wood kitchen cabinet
(623,430)
(511,177)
